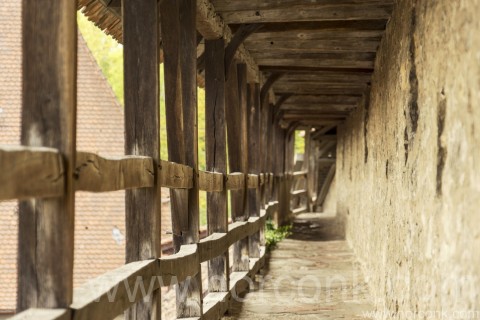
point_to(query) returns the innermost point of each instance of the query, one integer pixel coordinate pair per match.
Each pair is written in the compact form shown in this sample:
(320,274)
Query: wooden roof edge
(209,23)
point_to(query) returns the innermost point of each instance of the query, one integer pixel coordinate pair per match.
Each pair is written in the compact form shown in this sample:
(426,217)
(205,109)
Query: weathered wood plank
(313,46)
(42,314)
(310,11)
(211,25)
(179,35)
(235,181)
(46,227)
(253,181)
(236,5)
(98,174)
(175,176)
(108,295)
(216,156)
(236,116)
(142,137)
(254,145)
(30,172)
(210,181)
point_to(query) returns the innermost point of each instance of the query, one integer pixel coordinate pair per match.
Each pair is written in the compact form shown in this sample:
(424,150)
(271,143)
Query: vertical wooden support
(142,137)
(254,195)
(216,154)
(179,39)
(236,115)
(46,227)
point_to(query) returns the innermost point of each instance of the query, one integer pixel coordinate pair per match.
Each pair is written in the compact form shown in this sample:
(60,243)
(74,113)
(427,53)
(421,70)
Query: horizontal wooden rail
(235,181)
(109,294)
(253,181)
(37,172)
(43,314)
(97,174)
(30,171)
(210,181)
(299,174)
(175,176)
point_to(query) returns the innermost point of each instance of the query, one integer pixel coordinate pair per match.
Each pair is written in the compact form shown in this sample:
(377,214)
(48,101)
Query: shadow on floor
(318,227)
(311,275)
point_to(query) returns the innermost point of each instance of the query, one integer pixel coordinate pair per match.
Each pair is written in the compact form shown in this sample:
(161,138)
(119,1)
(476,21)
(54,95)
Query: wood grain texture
(43,314)
(108,295)
(235,181)
(254,156)
(253,181)
(309,11)
(30,172)
(174,175)
(237,123)
(46,227)
(216,156)
(142,137)
(210,181)
(98,174)
(179,39)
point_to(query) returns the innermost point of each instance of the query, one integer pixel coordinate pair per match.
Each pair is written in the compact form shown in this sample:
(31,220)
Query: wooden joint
(243,32)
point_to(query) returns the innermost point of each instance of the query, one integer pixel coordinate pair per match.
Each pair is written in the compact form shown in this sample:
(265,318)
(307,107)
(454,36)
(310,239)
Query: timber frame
(268,70)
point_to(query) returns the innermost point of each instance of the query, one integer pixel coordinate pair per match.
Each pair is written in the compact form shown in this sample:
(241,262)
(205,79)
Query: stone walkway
(311,275)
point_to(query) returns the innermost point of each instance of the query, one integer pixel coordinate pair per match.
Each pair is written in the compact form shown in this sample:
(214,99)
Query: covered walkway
(311,275)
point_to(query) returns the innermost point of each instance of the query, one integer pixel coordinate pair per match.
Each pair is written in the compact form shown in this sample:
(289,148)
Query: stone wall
(408,164)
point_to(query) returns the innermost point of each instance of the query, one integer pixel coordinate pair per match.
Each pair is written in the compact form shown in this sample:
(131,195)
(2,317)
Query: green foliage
(299,142)
(273,235)
(107,52)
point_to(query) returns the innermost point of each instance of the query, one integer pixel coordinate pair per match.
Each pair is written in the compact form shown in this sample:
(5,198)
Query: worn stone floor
(311,275)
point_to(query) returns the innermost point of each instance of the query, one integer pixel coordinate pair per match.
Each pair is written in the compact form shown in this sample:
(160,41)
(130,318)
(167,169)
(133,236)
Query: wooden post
(46,227)
(142,137)
(179,40)
(236,115)
(254,195)
(216,154)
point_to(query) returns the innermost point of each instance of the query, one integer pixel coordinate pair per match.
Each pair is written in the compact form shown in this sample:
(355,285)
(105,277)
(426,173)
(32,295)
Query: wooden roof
(319,54)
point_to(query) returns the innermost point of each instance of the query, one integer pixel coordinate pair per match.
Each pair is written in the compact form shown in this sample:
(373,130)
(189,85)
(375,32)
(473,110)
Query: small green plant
(274,235)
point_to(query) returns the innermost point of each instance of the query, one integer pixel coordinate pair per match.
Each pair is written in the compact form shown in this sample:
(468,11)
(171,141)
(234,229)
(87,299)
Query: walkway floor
(311,275)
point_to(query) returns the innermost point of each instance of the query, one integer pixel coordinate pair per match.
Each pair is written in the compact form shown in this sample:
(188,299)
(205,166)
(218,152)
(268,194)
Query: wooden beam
(313,46)
(98,174)
(216,156)
(212,26)
(178,25)
(341,60)
(46,227)
(313,69)
(308,11)
(242,33)
(31,172)
(175,176)
(142,137)
(254,146)
(317,30)
(275,76)
(229,5)
(236,115)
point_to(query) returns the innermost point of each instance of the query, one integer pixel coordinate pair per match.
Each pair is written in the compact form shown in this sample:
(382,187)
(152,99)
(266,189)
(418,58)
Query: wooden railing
(39,172)
(47,170)
(299,195)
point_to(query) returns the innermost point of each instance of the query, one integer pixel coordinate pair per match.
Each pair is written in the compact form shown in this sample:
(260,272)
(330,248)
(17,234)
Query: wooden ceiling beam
(280,46)
(308,11)
(325,29)
(312,69)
